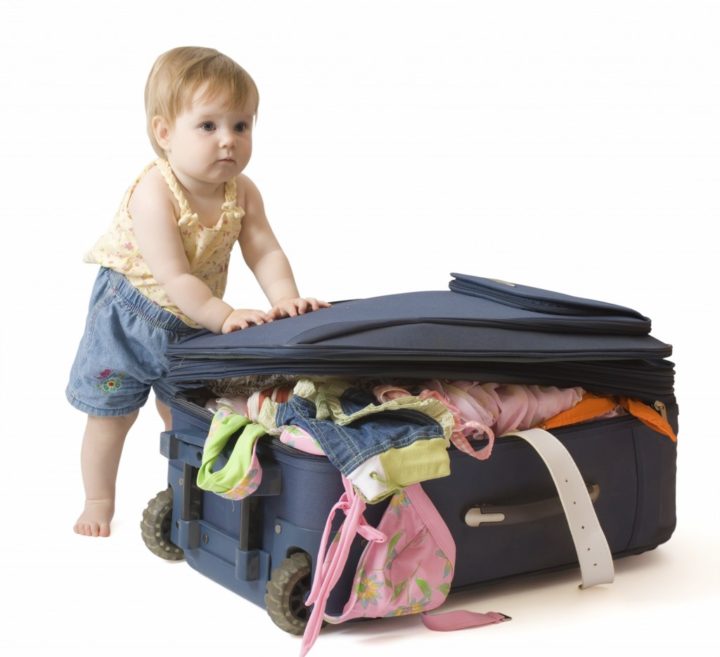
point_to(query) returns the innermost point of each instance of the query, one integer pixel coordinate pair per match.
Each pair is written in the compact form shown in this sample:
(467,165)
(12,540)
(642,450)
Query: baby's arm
(268,262)
(159,241)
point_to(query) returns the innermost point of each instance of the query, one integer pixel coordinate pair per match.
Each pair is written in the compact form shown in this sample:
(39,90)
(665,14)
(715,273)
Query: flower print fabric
(411,570)
(406,567)
(301,440)
(207,248)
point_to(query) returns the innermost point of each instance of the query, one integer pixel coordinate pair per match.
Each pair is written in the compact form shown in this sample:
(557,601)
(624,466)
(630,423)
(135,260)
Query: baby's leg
(165,414)
(101,449)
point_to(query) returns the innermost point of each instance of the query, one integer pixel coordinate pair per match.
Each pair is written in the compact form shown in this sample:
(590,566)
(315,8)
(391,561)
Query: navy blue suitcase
(264,547)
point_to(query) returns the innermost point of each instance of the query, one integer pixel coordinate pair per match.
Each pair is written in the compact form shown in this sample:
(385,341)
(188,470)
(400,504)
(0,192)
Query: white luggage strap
(596,565)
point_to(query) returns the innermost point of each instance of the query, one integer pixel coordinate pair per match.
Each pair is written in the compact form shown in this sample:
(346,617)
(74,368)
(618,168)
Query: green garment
(225,424)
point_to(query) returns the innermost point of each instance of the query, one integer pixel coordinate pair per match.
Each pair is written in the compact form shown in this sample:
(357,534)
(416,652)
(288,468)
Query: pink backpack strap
(458,437)
(461,442)
(450,621)
(331,563)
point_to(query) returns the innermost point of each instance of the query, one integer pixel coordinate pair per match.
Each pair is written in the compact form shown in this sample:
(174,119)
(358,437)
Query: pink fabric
(249,483)
(409,567)
(508,407)
(406,568)
(388,392)
(491,409)
(301,440)
(331,562)
(450,621)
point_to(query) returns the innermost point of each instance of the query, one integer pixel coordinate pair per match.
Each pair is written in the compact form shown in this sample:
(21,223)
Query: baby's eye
(241,127)
(208,126)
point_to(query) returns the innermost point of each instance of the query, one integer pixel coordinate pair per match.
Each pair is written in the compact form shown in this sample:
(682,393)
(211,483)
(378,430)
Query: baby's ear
(161,131)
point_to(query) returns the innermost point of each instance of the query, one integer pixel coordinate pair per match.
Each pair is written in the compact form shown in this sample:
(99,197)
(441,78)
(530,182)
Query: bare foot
(95,519)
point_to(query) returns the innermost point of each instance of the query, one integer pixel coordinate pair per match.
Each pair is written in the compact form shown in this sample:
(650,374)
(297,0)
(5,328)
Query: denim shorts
(349,445)
(122,352)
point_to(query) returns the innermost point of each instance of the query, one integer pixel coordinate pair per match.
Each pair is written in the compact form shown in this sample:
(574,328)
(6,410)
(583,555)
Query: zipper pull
(661,408)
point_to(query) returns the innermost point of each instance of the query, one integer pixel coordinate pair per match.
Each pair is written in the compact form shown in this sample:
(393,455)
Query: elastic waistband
(141,305)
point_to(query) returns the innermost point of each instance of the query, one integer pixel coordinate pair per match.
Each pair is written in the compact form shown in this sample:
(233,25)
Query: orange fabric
(648,416)
(592,406)
(588,408)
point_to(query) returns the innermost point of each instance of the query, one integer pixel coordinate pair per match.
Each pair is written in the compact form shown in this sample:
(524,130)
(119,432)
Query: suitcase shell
(629,469)
(482,330)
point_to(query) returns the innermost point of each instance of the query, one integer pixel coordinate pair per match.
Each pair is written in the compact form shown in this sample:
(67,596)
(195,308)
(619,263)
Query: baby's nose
(226,137)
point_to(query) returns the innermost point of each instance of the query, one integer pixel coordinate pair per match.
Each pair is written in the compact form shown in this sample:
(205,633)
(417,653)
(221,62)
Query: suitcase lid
(478,328)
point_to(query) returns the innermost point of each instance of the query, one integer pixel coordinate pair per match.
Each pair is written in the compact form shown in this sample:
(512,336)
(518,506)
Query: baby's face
(210,141)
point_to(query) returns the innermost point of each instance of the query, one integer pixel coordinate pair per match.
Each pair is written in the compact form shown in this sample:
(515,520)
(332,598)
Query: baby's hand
(242,318)
(294,307)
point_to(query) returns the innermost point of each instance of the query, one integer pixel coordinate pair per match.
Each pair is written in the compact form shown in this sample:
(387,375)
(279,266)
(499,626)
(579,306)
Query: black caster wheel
(286,591)
(155,527)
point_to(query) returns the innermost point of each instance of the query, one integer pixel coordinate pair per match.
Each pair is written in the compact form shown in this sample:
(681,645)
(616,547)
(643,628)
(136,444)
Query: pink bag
(406,567)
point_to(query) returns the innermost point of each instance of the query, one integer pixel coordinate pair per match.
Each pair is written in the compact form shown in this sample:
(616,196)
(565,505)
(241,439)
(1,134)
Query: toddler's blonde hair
(179,73)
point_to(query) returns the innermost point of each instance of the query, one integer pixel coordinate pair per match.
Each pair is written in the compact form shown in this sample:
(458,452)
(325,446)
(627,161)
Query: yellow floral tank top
(207,249)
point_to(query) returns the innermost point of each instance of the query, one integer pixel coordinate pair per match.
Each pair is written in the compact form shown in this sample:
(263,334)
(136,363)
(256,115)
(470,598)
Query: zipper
(204,414)
(642,385)
(199,412)
(278,446)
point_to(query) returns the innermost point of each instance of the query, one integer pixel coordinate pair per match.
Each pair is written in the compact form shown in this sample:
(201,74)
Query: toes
(83,529)
(95,519)
(92,529)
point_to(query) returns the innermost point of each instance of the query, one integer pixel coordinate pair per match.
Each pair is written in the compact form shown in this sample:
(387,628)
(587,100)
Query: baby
(164,260)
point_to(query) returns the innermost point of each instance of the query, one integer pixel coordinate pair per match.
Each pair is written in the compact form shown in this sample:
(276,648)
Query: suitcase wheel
(155,527)
(286,591)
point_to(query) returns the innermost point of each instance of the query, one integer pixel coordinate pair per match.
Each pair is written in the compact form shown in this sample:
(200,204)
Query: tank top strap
(230,208)
(174,186)
(231,192)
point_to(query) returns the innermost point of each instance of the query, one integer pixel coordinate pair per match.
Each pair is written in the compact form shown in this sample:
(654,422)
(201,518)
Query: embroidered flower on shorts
(110,381)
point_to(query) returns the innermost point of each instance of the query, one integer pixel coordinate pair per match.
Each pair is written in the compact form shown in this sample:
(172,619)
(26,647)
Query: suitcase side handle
(517,514)
(591,546)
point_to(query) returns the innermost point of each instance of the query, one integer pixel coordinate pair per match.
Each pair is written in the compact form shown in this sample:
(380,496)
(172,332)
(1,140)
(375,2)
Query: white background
(566,145)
